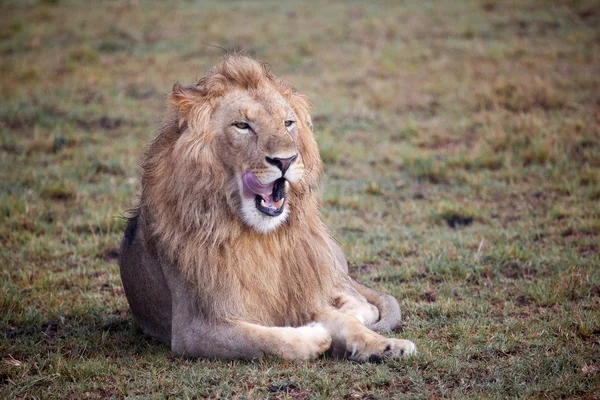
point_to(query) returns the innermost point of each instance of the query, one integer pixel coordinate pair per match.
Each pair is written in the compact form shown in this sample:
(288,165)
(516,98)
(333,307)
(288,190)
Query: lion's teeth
(262,203)
(279,203)
(286,187)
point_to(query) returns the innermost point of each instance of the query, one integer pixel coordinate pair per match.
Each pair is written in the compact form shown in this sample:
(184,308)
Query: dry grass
(461,142)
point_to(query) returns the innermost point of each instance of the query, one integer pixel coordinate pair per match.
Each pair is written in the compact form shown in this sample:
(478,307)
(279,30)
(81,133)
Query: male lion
(226,255)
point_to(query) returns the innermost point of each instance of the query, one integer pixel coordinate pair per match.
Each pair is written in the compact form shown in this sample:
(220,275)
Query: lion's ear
(183,98)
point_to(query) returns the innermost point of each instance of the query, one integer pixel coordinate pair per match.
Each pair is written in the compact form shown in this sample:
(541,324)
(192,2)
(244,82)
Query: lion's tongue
(253,187)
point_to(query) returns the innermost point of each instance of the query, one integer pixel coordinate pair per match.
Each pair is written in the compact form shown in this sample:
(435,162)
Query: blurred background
(461,146)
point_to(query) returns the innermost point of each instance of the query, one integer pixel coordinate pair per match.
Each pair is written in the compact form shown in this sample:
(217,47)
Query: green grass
(462,150)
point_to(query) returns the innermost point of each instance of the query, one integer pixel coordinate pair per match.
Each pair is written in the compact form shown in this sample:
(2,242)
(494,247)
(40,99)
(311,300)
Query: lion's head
(243,137)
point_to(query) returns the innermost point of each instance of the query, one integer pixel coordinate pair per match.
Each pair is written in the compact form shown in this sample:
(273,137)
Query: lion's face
(237,142)
(257,137)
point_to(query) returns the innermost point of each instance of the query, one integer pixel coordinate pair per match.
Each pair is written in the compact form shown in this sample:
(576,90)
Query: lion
(226,255)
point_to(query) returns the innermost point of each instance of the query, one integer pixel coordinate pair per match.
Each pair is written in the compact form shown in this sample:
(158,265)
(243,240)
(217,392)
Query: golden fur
(267,279)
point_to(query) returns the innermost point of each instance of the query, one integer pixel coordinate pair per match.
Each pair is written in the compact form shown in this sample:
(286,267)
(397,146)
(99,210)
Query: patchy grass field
(462,148)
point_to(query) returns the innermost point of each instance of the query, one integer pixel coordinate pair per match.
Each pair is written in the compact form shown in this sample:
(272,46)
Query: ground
(462,150)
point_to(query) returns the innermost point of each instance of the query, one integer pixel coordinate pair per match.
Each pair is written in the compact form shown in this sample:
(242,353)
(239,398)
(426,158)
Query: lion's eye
(289,123)
(241,125)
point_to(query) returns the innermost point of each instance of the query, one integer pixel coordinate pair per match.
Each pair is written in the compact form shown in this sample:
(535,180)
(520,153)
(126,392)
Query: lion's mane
(187,209)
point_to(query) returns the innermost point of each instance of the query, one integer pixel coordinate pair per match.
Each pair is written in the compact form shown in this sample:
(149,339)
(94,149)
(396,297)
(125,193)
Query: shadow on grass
(94,336)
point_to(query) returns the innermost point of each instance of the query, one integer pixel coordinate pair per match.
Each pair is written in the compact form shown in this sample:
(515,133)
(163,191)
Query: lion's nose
(282,163)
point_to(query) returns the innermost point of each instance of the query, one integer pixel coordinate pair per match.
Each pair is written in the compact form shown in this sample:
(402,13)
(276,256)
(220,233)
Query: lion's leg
(248,341)
(358,307)
(352,339)
(388,310)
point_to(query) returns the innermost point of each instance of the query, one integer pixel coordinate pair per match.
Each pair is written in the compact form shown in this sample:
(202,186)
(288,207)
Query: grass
(461,142)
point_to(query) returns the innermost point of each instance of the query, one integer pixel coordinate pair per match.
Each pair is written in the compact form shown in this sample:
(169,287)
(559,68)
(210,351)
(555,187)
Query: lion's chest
(272,280)
(276,289)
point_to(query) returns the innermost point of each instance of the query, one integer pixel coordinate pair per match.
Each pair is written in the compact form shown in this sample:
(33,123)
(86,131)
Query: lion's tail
(389,309)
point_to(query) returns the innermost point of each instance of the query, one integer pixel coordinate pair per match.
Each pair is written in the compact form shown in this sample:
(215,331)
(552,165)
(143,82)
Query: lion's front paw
(306,342)
(376,350)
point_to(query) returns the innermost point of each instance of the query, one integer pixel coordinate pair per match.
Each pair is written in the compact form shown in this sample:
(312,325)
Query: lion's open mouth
(273,203)
(269,198)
